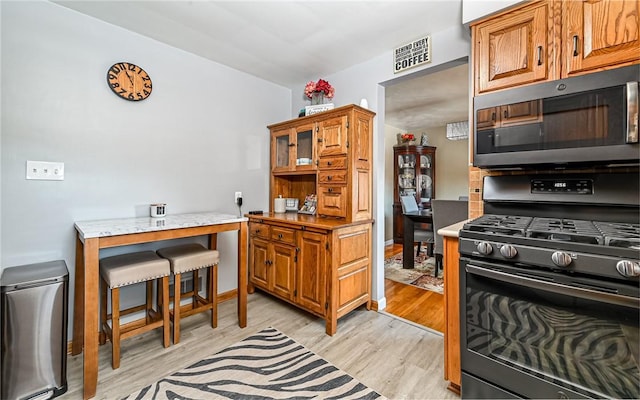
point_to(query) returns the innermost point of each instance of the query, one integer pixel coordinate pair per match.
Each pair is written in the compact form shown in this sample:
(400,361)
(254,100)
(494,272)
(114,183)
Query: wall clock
(129,81)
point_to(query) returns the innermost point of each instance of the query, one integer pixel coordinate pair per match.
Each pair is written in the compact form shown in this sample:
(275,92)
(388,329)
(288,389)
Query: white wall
(390,140)
(452,168)
(476,9)
(367,80)
(199,137)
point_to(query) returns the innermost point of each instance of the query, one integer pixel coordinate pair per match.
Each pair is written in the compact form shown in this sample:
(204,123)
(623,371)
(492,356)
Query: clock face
(129,81)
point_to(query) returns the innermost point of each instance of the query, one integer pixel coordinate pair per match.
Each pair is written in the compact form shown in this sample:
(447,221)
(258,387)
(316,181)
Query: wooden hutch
(318,262)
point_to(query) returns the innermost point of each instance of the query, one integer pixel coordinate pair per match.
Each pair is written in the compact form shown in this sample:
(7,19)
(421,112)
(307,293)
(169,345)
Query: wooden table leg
(407,242)
(242,275)
(78,300)
(91,283)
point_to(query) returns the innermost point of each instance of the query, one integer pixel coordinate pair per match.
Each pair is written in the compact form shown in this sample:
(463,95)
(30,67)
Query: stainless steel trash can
(34,330)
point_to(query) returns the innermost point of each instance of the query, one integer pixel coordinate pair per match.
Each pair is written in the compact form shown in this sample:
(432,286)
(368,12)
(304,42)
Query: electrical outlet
(236,197)
(45,170)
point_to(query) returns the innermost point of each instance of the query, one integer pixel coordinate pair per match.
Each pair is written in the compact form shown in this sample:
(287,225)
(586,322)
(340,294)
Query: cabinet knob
(291,144)
(330,190)
(328,162)
(329,177)
(279,235)
(575,45)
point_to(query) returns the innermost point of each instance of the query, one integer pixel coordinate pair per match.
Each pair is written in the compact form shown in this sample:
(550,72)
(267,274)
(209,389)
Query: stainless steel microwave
(586,120)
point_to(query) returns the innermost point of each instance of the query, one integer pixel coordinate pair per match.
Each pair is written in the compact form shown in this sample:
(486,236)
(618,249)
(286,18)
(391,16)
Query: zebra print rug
(267,365)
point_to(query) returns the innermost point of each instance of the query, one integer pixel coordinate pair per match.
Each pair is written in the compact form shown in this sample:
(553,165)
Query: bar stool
(192,257)
(128,269)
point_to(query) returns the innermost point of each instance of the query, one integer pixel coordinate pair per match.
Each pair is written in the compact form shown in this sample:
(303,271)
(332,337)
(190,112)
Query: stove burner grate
(612,234)
(512,225)
(618,234)
(566,230)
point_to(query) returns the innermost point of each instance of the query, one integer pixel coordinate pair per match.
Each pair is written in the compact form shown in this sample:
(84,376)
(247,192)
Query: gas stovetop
(614,234)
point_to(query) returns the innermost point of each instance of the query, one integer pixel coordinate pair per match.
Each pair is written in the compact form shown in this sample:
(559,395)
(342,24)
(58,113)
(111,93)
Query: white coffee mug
(158,210)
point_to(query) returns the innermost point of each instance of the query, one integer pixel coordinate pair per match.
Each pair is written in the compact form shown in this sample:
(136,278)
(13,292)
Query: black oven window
(585,345)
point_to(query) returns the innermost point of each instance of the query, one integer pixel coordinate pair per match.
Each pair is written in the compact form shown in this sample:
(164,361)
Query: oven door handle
(588,294)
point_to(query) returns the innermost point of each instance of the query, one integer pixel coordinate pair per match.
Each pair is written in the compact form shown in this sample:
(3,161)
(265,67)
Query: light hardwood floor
(420,306)
(397,359)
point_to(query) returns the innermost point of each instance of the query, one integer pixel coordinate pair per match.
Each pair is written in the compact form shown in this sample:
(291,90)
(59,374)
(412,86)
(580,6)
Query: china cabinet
(318,262)
(414,174)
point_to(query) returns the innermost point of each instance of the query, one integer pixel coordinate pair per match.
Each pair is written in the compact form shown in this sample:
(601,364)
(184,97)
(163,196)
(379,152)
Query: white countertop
(124,226)
(452,230)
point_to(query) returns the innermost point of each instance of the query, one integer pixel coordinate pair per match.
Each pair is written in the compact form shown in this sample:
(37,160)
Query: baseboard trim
(222,297)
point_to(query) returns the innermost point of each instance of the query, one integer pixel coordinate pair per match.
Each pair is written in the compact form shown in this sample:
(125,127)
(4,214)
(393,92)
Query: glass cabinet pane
(282,151)
(407,174)
(425,179)
(304,147)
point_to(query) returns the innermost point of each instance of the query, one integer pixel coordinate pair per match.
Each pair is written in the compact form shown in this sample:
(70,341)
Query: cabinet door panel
(361,145)
(259,269)
(304,154)
(283,270)
(332,136)
(281,150)
(311,272)
(512,49)
(600,33)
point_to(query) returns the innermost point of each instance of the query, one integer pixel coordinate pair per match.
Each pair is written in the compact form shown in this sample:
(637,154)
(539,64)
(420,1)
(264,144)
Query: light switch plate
(45,170)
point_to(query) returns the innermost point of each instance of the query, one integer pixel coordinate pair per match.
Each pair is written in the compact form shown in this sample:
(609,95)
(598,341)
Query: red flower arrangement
(320,86)
(407,137)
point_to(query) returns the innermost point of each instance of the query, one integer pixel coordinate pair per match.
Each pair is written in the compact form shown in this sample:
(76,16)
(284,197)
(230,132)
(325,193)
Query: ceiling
(288,42)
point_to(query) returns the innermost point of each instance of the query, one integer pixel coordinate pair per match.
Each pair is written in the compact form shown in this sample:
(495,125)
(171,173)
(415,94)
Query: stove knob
(485,248)
(561,259)
(508,251)
(628,268)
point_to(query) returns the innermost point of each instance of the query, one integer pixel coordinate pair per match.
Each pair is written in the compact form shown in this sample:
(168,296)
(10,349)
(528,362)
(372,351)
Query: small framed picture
(310,204)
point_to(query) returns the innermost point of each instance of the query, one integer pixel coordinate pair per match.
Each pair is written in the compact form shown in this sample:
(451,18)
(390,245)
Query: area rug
(267,365)
(421,275)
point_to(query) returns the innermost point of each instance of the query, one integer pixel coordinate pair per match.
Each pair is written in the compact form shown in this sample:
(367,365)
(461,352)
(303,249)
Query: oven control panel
(555,186)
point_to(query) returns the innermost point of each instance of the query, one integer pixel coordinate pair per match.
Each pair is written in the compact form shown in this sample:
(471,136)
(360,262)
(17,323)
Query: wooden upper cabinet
(553,39)
(598,34)
(332,136)
(513,49)
(292,149)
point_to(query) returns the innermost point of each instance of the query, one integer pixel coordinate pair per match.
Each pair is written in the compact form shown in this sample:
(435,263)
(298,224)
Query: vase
(317,98)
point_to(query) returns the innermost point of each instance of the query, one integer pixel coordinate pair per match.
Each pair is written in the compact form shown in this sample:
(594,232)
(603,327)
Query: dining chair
(421,232)
(445,213)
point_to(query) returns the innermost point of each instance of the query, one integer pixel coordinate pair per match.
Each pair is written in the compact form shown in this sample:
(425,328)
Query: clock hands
(130,78)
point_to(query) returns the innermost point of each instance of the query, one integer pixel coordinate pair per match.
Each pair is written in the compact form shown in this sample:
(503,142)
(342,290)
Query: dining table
(94,235)
(409,219)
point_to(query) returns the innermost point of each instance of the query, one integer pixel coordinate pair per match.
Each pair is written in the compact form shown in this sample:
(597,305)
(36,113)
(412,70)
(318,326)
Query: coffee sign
(412,54)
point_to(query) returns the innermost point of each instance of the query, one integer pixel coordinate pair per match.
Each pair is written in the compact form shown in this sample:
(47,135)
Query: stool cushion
(189,257)
(130,268)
